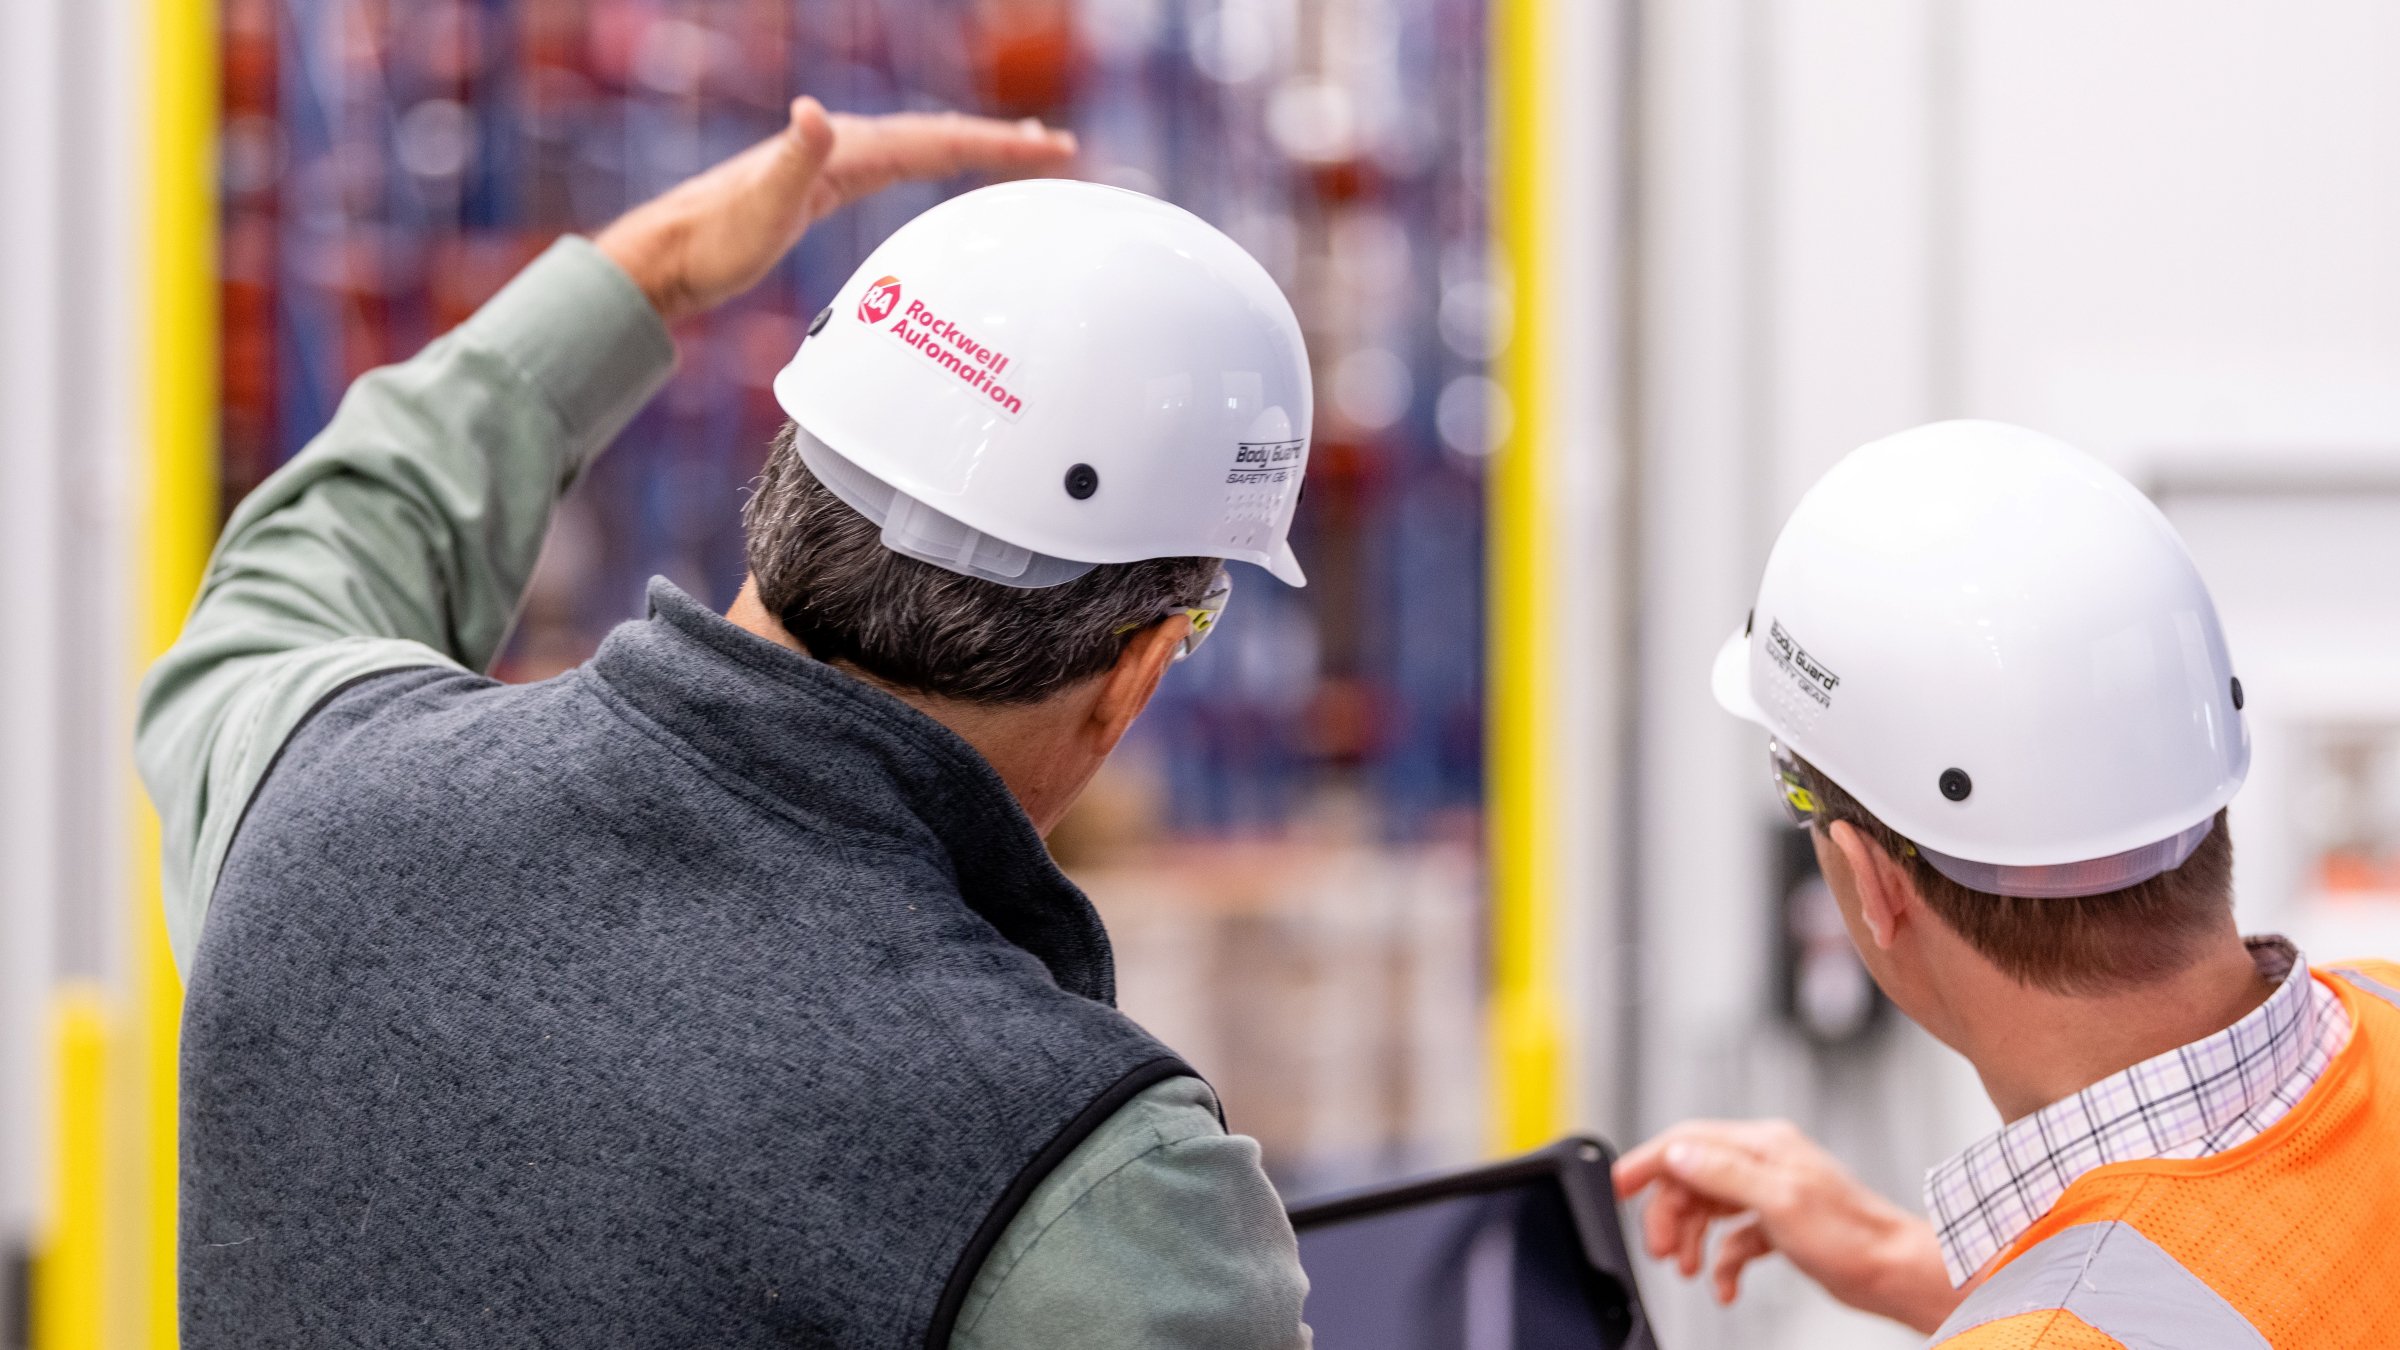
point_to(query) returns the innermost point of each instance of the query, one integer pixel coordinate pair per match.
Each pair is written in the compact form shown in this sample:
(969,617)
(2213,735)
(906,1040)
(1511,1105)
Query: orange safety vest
(2291,1240)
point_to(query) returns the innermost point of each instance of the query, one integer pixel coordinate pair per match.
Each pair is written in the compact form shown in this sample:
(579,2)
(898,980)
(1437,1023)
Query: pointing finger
(1647,1162)
(1726,1175)
(1638,1168)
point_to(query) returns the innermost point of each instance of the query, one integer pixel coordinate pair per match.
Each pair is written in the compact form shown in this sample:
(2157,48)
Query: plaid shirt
(2191,1102)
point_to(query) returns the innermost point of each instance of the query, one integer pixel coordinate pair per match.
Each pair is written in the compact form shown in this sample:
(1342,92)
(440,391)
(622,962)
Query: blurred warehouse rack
(1299,816)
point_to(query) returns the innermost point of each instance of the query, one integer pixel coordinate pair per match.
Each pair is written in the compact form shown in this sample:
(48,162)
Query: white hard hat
(2002,650)
(1035,378)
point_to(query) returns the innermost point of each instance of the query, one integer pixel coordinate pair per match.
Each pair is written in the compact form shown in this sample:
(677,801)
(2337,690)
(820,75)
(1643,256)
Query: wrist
(641,250)
(1911,1284)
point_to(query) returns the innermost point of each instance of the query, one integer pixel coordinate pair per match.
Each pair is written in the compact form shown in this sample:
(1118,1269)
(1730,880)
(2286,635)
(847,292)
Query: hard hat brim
(828,463)
(1729,680)
(1284,566)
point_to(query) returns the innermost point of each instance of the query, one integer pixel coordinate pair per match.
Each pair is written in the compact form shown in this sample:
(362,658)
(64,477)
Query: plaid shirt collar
(2190,1102)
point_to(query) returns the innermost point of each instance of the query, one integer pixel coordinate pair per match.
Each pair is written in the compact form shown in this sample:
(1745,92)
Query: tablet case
(1517,1254)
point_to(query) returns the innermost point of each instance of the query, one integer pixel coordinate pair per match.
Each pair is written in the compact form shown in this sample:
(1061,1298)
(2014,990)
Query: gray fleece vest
(699,997)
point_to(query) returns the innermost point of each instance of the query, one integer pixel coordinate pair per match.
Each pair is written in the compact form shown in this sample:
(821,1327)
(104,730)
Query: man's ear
(1884,887)
(1127,686)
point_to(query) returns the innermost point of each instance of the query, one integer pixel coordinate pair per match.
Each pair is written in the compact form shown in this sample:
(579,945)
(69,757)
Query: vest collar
(827,749)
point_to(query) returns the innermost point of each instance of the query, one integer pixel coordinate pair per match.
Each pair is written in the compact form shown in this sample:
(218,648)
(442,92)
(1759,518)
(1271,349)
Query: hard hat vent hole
(2237,693)
(1082,481)
(817,324)
(1956,785)
(1749,622)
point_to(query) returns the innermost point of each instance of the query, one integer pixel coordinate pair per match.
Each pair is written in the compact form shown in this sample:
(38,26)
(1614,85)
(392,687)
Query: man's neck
(2033,1047)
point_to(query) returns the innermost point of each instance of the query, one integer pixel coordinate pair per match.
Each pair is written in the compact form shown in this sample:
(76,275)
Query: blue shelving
(416,154)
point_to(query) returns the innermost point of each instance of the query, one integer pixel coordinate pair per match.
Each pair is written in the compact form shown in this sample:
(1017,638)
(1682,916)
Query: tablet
(1511,1256)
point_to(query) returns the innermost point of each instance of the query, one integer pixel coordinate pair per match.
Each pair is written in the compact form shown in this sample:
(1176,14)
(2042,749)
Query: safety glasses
(1791,789)
(1800,805)
(1203,614)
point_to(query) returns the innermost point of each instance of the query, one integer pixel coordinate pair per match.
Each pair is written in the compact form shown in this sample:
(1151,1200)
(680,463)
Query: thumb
(763,209)
(808,141)
(1722,1174)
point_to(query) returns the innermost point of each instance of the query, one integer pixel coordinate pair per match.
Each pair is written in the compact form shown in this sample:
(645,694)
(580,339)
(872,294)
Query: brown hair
(2090,944)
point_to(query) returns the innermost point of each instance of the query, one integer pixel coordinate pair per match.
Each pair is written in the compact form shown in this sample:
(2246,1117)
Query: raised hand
(1781,1193)
(715,235)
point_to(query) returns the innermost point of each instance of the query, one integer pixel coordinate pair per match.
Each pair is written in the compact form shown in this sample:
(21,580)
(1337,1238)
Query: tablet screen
(1492,1270)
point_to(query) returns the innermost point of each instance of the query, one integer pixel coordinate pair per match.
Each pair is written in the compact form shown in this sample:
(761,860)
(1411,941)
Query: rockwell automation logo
(880,300)
(949,349)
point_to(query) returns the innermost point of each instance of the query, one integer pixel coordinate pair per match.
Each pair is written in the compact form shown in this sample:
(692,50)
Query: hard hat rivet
(2237,693)
(817,324)
(1956,785)
(1082,481)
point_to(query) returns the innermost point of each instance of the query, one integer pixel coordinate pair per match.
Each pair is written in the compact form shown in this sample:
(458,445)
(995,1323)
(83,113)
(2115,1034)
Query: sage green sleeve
(1161,1231)
(403,535)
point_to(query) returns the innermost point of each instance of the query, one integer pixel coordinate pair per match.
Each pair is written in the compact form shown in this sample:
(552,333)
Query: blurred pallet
(1330,992)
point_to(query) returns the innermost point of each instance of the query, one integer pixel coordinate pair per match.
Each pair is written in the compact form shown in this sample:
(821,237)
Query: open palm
(715,235)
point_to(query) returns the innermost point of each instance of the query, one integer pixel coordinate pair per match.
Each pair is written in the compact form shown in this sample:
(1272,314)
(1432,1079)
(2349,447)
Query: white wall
(67,394)
(31,243)
(2167,229)
(1788,312)
(2184,237)
(2179,220)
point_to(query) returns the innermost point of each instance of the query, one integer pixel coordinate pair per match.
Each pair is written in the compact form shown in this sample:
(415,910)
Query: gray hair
(822,569)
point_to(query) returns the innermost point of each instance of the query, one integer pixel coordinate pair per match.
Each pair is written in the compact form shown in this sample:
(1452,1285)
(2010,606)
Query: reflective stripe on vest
(2369,983)
(2120,1283)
